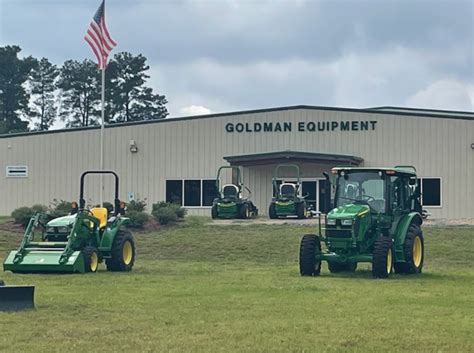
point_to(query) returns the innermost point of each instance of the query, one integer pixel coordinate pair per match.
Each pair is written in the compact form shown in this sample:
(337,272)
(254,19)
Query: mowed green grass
(203,288)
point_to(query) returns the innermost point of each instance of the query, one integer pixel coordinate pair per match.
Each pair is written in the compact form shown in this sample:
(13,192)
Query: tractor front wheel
(414,251)
(382,262)
(91,258)
(309,248)
(123,252)
(272,212)
(335,267)
(214,214)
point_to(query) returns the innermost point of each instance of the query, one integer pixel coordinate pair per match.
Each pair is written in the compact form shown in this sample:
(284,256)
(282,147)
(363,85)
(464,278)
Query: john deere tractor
(286,199)
(230,203)
(78,242)
(376,218)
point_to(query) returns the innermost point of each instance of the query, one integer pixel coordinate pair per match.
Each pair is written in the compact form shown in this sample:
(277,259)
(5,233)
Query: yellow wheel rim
(94,262)
(127,252)
(389,261)
(417,251)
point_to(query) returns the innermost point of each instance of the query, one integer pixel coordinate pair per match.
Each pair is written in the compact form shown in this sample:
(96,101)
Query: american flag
(98,37)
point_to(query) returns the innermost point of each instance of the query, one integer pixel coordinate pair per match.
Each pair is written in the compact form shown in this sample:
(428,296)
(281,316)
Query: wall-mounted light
(472,146)
(133,146)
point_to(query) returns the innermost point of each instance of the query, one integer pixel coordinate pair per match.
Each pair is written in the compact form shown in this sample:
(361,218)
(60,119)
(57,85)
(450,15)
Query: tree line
(38,92)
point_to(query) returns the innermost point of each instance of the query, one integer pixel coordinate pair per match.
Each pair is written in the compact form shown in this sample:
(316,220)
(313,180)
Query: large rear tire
(244,211)
(382,261)
(413,250)
(214,214)
(272,212)
(91,258)
(301,210)
(309,248)
(335,267)
(123,252)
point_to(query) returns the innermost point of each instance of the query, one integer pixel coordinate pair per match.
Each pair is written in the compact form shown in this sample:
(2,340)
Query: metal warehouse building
(177,159)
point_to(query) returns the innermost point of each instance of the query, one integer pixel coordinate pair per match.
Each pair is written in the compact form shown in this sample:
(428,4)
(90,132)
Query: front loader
(376,218)
(77,242)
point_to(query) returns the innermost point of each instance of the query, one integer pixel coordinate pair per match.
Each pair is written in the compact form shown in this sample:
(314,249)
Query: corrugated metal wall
(195,148)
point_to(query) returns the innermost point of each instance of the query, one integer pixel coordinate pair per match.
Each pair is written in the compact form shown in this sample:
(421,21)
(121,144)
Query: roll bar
(82,201)
(232,167)
(275,176)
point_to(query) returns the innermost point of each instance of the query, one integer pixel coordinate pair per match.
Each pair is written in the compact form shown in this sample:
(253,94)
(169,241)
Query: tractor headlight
(50,230)
(331,222)
(346,222)
(63,229)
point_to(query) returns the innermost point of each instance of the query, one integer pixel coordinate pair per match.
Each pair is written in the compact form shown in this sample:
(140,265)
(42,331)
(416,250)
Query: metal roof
(398,169)
(409,112)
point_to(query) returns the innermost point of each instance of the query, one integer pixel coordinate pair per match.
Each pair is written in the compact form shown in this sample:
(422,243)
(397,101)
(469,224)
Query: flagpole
(102,128)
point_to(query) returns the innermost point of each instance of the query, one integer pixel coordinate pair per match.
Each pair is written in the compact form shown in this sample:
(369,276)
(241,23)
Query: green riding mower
(286,200)
(230,203)
(77,242)
(376,218)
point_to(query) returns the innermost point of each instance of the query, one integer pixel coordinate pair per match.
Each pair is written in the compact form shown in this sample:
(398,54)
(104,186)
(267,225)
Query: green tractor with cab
(230,202)
(376,217)
(77,242)
(286,201)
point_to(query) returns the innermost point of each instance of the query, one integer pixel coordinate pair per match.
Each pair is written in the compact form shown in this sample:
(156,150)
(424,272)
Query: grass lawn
(202,288)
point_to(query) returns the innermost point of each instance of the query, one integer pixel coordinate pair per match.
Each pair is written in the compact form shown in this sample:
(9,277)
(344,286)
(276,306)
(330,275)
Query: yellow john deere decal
(363,213)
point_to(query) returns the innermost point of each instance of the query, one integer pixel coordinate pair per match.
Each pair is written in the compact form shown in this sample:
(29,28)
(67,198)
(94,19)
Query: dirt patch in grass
(11,227)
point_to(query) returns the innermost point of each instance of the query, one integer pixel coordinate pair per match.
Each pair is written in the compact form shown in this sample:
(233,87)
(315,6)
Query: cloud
(195,110)
(444,94)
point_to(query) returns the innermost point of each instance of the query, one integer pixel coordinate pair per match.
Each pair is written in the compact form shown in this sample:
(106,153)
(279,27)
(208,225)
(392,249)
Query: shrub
(137,219)
(22,215)
(165,215)
(59,208)
(180,211)
(137,205)
(158,205)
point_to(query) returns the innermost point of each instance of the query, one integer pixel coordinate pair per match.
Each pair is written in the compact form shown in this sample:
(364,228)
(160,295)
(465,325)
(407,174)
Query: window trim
(420,179)
(182,192)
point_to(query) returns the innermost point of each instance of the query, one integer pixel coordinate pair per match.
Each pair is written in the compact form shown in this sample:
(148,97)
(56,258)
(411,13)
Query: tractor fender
(110,232)
(401,232)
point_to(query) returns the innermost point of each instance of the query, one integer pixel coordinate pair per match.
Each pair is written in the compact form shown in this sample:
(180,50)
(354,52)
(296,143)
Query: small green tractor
(230,203)
(77,242)
(286,200)
(376,218)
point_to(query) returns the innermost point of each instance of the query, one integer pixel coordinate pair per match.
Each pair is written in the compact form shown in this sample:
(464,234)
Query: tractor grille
(338,233)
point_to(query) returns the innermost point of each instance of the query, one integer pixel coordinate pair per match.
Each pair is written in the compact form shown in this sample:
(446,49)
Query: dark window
(192,193)
(431,191)
(209,192)
(174,191)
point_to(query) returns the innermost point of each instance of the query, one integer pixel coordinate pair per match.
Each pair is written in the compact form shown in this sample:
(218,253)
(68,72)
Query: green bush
(137,219)
(137,205)
(158,205)
(59,208)
(180,211)
(22,215)
(165,215)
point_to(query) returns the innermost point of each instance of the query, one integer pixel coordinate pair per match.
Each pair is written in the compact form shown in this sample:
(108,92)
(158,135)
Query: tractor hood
(349,211)
(62,221)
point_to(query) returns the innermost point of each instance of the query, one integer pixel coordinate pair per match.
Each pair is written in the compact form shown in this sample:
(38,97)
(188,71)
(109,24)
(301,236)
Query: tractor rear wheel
(335,267)
(382,261)
(272,212)
(123,252)
(301,210)
(214,214)
(309,248)
(413,250)
(91,258)
(244,211)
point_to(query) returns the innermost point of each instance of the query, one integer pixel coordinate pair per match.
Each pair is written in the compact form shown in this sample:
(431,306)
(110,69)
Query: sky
(228,55)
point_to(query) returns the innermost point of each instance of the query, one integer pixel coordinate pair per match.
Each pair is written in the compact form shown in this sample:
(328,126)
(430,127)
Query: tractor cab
(230,202)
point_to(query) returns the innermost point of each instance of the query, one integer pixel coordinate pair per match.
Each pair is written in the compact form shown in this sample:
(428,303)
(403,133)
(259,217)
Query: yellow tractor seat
(101,214)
